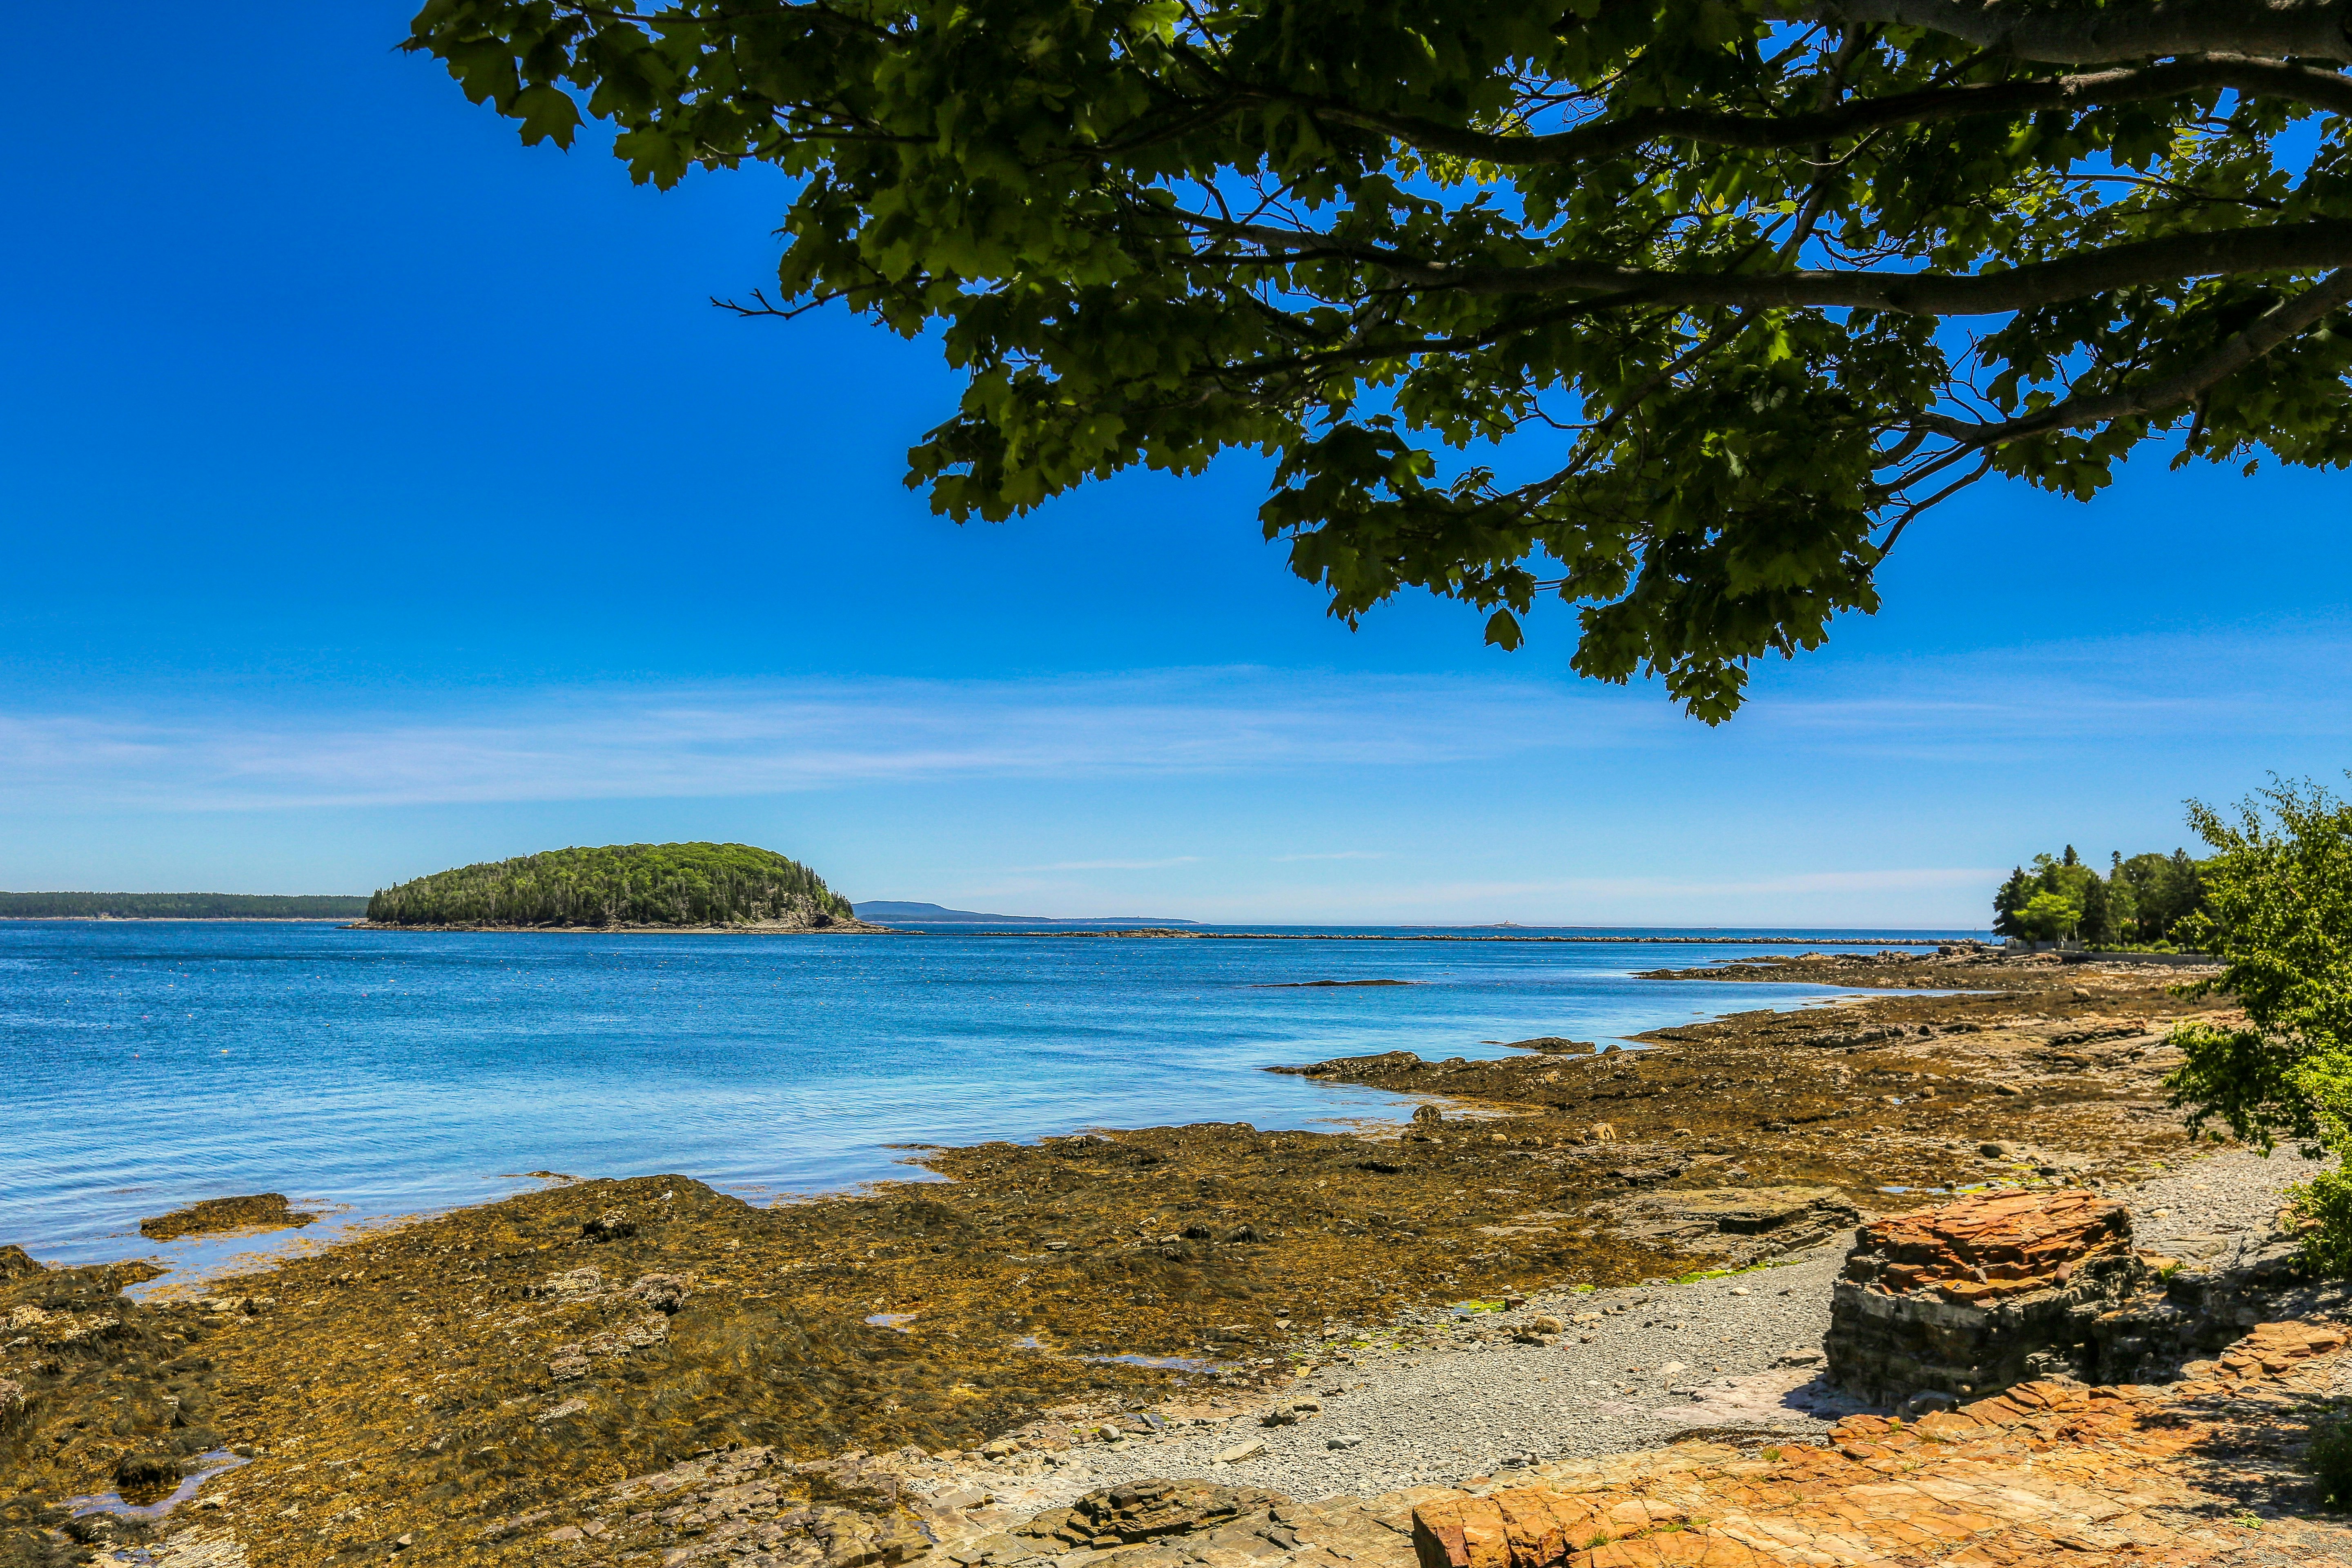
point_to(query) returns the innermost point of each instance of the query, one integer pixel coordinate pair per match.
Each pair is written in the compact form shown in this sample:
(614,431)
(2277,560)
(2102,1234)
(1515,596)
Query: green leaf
(546,113)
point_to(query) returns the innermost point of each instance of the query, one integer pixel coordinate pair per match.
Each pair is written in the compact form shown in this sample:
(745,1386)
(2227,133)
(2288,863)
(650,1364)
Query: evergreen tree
(2007,903)
(2123,900)
(2094,930)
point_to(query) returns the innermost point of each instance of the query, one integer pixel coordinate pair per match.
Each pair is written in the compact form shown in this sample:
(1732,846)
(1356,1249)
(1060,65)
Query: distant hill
(899,910)
(182,906)
(620,885)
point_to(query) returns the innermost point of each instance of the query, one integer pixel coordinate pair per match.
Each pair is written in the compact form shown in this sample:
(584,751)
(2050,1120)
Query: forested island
(661,887)
(180,905)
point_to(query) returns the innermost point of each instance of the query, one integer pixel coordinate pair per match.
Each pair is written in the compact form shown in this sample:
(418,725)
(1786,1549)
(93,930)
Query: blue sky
(383,495)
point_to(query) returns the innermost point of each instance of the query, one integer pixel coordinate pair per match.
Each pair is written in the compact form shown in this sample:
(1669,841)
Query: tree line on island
(2142,902)
(620,885)
(181,906)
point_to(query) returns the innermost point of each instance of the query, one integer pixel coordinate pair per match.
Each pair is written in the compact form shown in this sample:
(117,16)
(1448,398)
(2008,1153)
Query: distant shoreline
(1165,933)
(844,928)
(868,929)
(181,919)
(1442,936)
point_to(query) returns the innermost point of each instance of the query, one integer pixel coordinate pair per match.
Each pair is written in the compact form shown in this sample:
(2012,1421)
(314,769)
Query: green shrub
(2278,915)
(2326,1200)
(2329,1461)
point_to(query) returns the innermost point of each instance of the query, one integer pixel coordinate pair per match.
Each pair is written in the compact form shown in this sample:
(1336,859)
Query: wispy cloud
(746,739)
(1985,705)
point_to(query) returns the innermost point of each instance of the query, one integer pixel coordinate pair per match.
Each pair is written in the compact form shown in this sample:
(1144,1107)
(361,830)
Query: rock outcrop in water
(259,1211)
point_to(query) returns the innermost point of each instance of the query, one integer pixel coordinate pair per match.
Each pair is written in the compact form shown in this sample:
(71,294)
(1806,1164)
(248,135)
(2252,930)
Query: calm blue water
(144,1065)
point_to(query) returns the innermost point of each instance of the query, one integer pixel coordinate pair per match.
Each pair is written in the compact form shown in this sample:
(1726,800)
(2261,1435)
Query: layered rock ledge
(1968,1299)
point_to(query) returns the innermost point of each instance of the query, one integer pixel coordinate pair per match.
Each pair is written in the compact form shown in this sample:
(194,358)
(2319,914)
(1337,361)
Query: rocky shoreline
(1889,942)
(480,1382)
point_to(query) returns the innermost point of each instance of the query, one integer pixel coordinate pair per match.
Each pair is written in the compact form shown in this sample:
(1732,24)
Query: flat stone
(1746,1211)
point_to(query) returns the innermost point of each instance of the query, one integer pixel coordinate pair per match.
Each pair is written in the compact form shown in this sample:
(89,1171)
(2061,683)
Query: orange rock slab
(1998,1244)
(2047,1473)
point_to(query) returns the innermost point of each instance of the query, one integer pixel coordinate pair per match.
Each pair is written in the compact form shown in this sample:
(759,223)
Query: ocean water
(147,1064)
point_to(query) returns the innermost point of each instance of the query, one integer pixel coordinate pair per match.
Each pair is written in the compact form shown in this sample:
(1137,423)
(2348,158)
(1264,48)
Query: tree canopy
(2143,901)
(1711,298)
(619,884)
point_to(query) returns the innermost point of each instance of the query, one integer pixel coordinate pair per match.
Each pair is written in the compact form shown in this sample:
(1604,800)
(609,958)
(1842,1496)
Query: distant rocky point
(902,909)
(622,887)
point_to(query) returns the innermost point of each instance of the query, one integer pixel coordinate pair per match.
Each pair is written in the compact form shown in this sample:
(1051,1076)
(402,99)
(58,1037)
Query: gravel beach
(1738,1351)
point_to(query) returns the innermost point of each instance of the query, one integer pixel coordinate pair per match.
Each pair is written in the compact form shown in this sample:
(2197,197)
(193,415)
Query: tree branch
(2321,243)
(2288,319)
(1763,132)
(2077,35)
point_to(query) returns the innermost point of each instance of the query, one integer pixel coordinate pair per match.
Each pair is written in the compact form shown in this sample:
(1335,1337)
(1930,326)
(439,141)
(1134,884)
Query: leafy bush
(2329,1461)
(2279,916)
(2326,1202)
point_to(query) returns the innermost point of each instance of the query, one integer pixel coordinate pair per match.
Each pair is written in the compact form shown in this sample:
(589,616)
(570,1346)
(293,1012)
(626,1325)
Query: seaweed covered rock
(97,1390)
(1966,1300)
(257,1211)
(142,1478)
